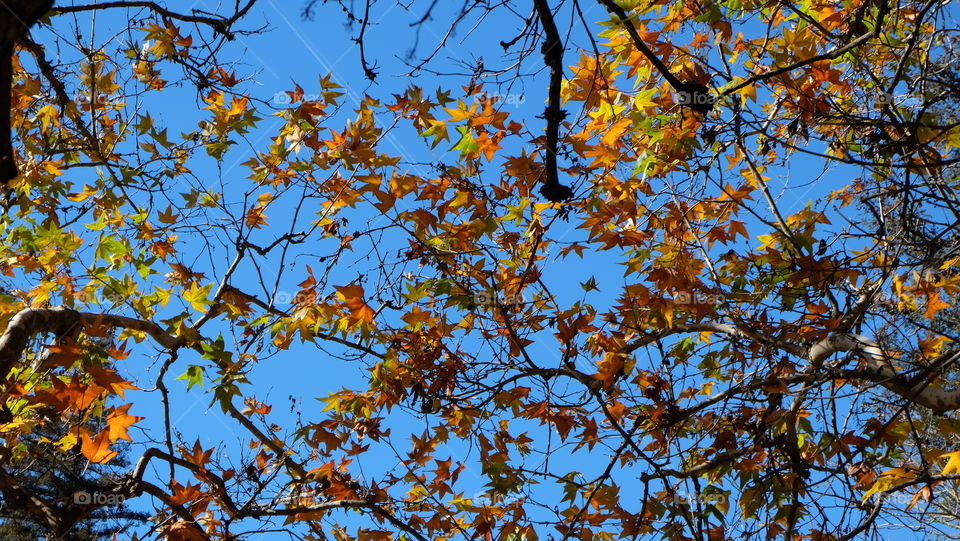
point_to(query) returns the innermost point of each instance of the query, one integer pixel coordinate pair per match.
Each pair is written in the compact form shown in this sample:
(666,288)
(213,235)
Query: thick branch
(719,328)
(16,18)
(59,321)
(879,368)
(615,9)
(199,471)
(552,51)
(691,93)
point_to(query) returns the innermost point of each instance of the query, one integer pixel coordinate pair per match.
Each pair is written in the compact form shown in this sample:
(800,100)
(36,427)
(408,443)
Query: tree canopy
(546,269)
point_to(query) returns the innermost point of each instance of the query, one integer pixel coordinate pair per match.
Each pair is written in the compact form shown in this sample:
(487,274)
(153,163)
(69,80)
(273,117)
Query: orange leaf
(934,305)
(119,421)
(197,455)
(183,531)
(74,395)
(353,300)
(109,379)
(97,450)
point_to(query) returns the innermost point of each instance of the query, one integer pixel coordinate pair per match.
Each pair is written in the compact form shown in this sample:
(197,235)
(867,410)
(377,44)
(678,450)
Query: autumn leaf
(888,480)
(97,449)
(352,298)
(167,216)
(119,421)
(110,379)
(638,350)
(197,297)
(183,531)
(934,305)
(953,463)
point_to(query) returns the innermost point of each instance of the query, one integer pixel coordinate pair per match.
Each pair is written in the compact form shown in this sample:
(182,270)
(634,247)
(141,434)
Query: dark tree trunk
(16,18)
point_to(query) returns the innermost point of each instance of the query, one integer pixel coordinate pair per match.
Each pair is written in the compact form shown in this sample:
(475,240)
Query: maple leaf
(119,421)
(197,455)
(75,395)
(352,297)
(183,531)
(953,463)
(256,217)
(416,317)
(197,297)
(110,379)
(97,449)
(934,305)
(889,479)
(167,216)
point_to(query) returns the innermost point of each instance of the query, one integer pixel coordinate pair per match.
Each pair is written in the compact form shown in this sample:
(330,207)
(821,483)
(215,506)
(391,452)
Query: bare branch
(552,50)
(221,25)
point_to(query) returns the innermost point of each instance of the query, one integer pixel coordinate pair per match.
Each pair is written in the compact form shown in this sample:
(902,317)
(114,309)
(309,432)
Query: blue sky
(300,51)
(292,50)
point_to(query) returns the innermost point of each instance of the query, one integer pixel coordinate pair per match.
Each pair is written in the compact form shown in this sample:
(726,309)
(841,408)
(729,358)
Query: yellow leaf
(197,297)
(87,192)
(888,480)
(749,91)
(949,263)
(67,442)
(953,464)
(48,115)
(51,168)
(767,240)
(237,106)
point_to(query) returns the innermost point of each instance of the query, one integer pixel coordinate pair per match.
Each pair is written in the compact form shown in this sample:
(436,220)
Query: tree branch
(220,25)
(60,321)
(16,18)
(833,53)
(692,94)
(552,50)
(879,368)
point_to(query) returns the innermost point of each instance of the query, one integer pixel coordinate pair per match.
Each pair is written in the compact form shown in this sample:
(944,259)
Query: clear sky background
(296,50)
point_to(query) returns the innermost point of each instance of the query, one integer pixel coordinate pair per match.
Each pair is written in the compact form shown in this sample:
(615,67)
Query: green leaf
(193,375)
(467,145)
